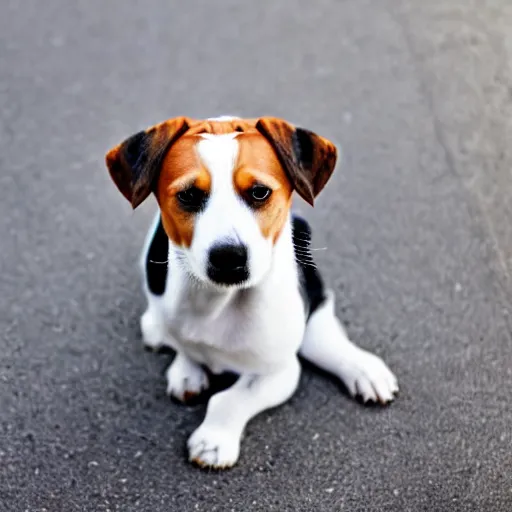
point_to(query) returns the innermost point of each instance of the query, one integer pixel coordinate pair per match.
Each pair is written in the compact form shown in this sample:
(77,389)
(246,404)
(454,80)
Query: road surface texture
(416,223)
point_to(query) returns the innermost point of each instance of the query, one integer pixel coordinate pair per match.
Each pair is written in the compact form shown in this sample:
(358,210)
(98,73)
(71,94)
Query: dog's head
(224,187)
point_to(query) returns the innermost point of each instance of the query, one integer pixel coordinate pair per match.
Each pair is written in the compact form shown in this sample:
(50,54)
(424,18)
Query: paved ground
(416,222)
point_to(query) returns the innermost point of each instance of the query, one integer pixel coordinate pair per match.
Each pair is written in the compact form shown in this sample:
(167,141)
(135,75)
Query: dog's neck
(205,300)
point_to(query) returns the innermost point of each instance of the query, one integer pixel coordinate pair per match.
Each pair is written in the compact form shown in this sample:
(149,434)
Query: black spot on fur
(303,147)
(156,261)
(135,152)
(311,284)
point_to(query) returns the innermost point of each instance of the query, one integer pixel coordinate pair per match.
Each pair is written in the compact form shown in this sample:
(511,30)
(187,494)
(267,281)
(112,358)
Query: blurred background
(416,223)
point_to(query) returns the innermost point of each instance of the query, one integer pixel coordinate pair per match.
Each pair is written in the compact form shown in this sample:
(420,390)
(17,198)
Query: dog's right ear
(307,158)
(134,165)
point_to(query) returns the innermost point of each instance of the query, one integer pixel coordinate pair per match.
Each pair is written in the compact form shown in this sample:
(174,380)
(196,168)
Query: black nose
(228,264)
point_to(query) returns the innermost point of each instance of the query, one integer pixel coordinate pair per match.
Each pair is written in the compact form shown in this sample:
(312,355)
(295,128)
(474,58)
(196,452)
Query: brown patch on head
(258,164)
(223,127)
(181,169)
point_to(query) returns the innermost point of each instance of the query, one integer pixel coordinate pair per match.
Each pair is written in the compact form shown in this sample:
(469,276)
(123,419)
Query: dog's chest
(243,332)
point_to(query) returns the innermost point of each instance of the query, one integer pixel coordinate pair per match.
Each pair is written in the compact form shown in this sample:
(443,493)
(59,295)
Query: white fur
(222,118)
(326,345)
(255,330)
(152,322)
(226,218)
(185,377)
(216,443)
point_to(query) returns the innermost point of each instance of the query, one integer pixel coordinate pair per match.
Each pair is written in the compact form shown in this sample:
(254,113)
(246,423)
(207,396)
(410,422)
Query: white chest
(240,331)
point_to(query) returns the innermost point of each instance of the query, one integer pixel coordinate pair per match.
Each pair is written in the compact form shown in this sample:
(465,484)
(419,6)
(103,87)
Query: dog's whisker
(304,258)
(303,253)
(310,265)
(303,237)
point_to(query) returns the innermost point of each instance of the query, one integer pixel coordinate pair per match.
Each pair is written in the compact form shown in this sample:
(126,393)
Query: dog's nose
(228,263)
(228,257)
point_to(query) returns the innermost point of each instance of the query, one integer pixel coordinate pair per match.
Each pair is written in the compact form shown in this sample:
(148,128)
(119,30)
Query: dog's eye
(259,193)
(191,199)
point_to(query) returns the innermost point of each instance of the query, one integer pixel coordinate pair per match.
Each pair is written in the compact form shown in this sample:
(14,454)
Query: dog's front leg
(216,443)
(185,378)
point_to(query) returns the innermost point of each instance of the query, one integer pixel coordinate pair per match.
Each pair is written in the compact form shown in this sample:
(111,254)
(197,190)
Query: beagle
(229,278)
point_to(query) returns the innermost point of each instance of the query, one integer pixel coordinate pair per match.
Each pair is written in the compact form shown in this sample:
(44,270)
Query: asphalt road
(416,224)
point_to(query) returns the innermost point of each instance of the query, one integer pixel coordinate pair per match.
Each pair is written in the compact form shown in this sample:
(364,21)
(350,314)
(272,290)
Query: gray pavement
(416,224)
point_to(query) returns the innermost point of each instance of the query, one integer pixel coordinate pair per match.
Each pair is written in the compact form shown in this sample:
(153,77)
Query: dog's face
(224,188)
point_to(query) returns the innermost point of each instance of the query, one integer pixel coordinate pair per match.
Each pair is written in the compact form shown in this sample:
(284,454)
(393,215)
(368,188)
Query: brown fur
(258,163)
(134,166)
(307,158)
(181,168)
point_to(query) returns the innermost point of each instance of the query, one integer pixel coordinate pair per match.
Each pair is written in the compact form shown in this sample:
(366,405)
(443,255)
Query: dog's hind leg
(152,326)
(327,346)
(154,266)
(325,342)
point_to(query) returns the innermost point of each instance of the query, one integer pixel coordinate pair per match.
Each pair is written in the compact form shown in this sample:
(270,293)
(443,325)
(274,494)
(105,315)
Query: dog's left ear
(307,158)
(134,164)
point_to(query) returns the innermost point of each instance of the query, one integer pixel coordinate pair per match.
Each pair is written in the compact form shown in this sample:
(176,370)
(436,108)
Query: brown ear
(135,163)
(307,158)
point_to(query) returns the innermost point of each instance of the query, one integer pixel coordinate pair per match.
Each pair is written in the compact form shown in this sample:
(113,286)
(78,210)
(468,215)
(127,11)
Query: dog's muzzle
(228,264)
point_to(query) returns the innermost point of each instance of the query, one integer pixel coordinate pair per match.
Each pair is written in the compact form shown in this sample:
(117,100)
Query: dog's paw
(366,376)
(214,447)
(185,379)
(152,330)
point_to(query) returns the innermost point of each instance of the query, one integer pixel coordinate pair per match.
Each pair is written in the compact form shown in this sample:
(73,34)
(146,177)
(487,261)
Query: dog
(229,278)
